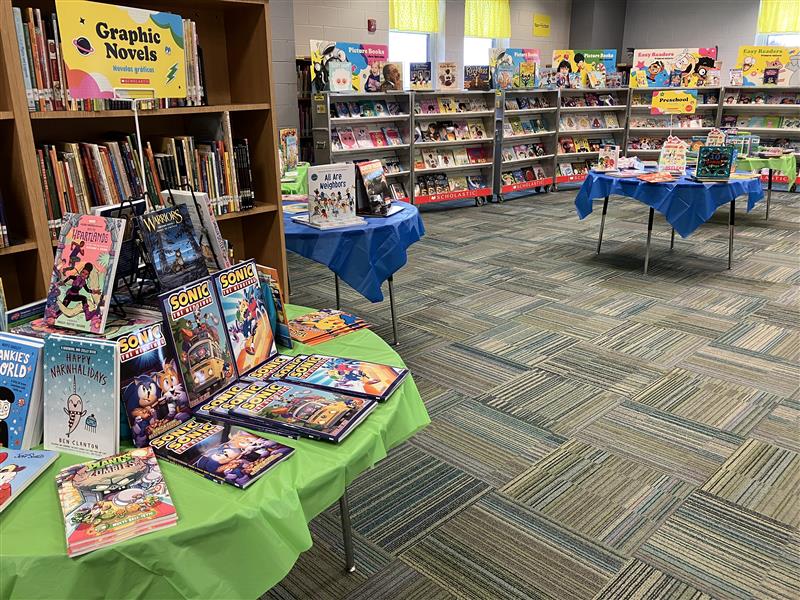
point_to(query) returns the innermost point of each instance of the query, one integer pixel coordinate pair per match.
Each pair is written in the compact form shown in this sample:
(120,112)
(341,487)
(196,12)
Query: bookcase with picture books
(527,140)
(587,120)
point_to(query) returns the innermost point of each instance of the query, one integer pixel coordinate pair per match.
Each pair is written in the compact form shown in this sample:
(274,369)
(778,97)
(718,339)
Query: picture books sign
(674,102)
(107,48)
(367,63)
(583,61)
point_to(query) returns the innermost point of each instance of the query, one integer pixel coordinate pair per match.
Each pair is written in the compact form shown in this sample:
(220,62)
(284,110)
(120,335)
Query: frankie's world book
(20,391)
(83,272)
(19,469)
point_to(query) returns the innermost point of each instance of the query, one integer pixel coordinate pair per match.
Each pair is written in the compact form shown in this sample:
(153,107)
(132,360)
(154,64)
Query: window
(476,50)
(408,47)
(783,39)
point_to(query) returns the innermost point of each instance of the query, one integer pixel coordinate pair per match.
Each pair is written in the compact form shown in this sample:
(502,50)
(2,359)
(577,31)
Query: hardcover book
(672,157)
(340,76)
(170,242)
(607,158)
(504,76)
(447,76)
(527,75)
(19,469)
(83,272)
(420,75)
(714,163)
(332,196)
(375,198)
(20,391)
(81,395)
(477,78)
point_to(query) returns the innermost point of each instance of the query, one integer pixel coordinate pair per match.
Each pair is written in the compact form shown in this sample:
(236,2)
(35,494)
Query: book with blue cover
(271,289)
(19,469)
(20,391)
(81,395)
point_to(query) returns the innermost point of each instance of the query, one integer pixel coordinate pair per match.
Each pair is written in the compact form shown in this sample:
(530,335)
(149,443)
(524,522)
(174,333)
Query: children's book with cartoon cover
(331,197)
(213,246)
(277,368)
(151,386)
(313,413)
(714,163)
(245,313)
(477,78)
(81,395)
(171,244)
(349,376)
(19,469)
(20,391)
(420,76)
(323,325)
(83,272)
(196,329)
(112,499)
(238,459)
(270,285)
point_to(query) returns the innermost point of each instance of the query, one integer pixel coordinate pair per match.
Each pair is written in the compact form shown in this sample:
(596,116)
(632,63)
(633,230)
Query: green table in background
(300,183)
(228,543)
(786,164)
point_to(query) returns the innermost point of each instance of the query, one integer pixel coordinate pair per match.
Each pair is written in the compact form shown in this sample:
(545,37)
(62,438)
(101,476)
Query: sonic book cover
(196,328)
(83,272)
(238,459)
(173,251)
(18,469)
(81,396)
(271,368)
(323,323)
(19,363)
(354,377)
(246,317)
(114,498)
(151,385)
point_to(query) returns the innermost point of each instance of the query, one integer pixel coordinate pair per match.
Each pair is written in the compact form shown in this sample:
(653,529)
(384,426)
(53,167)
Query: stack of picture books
(516,126)
(435,105)
(323,325)
(578,121)
(428,185)
(365,108)
(353,138)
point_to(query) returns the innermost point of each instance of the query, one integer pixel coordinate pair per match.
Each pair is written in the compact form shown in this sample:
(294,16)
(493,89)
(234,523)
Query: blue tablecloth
(363,256)
(686,204)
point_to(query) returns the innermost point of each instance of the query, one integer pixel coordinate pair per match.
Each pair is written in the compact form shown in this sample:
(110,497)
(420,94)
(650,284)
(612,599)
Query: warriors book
(213,246)
(246,317)
(19,469)
(81,396)
(20,391)
(196,328)
(83,272)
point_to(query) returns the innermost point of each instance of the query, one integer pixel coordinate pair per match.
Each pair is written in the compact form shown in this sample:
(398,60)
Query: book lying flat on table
(323,325)
(19,469)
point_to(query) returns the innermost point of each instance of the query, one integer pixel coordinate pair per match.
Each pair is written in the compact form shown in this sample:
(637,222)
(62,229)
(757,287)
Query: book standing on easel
(331,197)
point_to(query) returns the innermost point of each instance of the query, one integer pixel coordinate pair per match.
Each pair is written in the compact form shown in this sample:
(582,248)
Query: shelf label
(445,196)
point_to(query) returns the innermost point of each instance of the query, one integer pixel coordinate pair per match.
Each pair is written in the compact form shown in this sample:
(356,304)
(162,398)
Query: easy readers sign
(674,102)
(135,52)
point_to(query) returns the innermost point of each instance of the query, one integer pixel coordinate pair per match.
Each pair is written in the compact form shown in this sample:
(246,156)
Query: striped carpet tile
(762,478)
(562,318)
(399,580)
(654,344)
(519,343)
(640,581)
(719,302)
(612,303)
(525,282)
(749,287)
(498,303)
(765,339)
(666,286)
(714,402)
(785,315)
(781,427)
(610,499)
(790,296)
(678,318)
(769,266)
(499,549)
(675,446)
(726,551)
(443,321)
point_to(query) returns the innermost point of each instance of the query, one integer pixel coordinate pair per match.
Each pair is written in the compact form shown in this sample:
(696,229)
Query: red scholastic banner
(447,196)
(526,185)
(570,178)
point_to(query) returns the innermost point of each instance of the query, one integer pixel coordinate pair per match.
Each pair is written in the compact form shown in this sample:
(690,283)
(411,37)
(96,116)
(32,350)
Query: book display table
(297,184)
(686,204)
(786,164)
(228,543)
(363,256)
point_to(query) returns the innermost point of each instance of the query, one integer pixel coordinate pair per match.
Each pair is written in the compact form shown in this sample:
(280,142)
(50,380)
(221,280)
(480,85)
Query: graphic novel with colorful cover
(349,376)
(20,391)
(19,469)
(83,272)
(81,396)
(245,313)
(279,322)
(715,162)
(271,371)
(238,459)
(151,385)
(114,498)
(196,328)
(204,226)
(170,241)
(323,325)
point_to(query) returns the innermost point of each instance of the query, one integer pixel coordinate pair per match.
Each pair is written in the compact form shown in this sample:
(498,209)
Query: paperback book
(20,391)
(447,76)
(19,469)
(607,159)
(213,246)
(128,260)
(331,197)
(277,368)
(714,163)
(314,328)
(672,157)
(374,197)
(278,321)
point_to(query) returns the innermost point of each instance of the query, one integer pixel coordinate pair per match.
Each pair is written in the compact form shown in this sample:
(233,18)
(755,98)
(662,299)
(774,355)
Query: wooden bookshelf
(235,38)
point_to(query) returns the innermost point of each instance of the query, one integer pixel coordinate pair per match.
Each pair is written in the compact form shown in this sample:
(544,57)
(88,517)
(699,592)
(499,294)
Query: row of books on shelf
(392,166)
(45,75)
(568,144)
(588,99)
(522,151)
(552,78)
(428,185)
(645,143)
(534,173)
(365,108)
(525,102)
(303,69)
(517,126)
(449,105)
(762,122)
(760,97)
(352,138)
(644,97)
(676,121)
(566,169)
(450,131)
(438,158)
(5,239)
(573,121)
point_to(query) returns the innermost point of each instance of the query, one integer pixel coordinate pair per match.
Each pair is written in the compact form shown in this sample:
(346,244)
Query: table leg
(288,283)
(731,223)
(347,533)
(769,192)
(672,239)
(602,224)
(649,234)
(391,308)
(336,283)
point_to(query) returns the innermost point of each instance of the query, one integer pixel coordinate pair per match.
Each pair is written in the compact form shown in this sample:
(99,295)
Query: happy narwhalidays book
(83,272)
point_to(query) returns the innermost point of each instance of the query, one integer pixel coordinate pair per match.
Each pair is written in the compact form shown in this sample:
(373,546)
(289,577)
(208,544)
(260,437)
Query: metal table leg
(769,193)
(672,239)
(602,224)
(649,234)
(336,283)
(731,223)
(347,533)
(391,308)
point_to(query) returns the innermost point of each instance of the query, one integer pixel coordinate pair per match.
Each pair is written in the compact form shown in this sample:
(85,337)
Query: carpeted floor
(596,433)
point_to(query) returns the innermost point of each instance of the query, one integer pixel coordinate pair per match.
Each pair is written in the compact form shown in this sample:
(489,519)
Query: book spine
(48,200)
(41,47)
(60,64)
(37,65)
(23,56)
(59,184)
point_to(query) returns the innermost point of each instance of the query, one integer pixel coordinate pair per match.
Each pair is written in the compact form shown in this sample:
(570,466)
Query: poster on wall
(367,62)
(510,59)
(753,60)
(130,51)
(672,67)
(583,61)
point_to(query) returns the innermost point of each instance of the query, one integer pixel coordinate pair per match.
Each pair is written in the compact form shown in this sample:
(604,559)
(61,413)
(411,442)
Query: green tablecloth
(787,164)
(228,543)
(300,184)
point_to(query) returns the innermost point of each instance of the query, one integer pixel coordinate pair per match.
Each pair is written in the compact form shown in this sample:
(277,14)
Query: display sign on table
(509,60)
(583,61)
(672,157)
(754,60)
(655,67)
(674,102)
(108,49)
(367,62)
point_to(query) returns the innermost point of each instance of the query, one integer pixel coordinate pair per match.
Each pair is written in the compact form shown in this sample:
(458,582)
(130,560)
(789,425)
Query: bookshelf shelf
(646,107)
(452,143)
(514,139)
(593,109)
(469,167)
(567,132)
(461,115)
(161,112)
(530,111)
(519,161)
(381,119)
(767,108)
(25,246)
(243,214)
(6,115)
(674,130)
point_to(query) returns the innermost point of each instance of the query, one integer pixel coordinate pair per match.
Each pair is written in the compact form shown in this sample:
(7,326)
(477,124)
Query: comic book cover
(20,391)
(151,386)
(112,499)
(196,329)
(354,377)
(203,411)
(83,272)
(323,324)
(81,396)
(311,412)
(246,317)
(213,246)
(19,469)
(275,369)
(271,287)
(238,459)
(170,241)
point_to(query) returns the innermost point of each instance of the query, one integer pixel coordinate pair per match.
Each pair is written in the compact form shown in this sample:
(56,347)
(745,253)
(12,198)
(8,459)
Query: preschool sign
(115,50)
(674,102)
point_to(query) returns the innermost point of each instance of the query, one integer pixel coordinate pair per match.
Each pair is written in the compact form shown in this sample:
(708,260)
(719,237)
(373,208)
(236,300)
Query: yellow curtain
(487,19)
(414,15)
(779,16)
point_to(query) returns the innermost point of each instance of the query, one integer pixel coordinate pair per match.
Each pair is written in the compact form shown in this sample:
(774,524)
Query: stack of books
(321,326)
